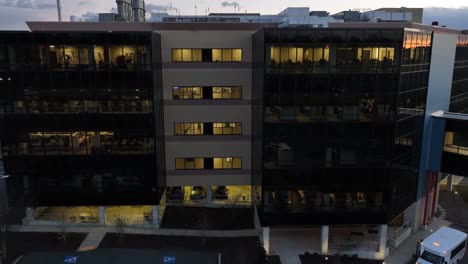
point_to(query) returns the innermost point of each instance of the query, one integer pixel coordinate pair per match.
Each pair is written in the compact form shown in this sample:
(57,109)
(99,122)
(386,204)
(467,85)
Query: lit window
(227,163)
(227,54)
(197,55)
(177,55)
(197,93)
(227,92)
(186,55)
(187,93)
(207,55)
(189,128)
(189,163)
(217,55)
(227,128)
(237,55)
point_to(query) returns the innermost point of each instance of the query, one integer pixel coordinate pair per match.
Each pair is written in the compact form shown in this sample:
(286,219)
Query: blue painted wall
(438,98)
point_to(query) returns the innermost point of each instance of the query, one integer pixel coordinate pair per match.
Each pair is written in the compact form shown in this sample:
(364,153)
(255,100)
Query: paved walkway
(93,240)
(148,231)
(456,209)
(289,243)
(403,254)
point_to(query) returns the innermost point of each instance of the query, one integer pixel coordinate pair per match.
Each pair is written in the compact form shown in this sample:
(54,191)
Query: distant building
(319,13)
(107,17)
(290,17)
(382,15)
(416,13)
(127,11)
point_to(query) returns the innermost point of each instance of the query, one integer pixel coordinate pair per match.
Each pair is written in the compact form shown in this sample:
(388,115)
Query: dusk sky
(13,13)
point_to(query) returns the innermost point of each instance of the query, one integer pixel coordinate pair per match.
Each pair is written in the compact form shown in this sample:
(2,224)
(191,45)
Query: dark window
(458,249)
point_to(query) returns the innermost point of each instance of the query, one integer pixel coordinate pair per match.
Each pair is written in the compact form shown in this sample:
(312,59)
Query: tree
(235,201)
(119,224)
(203,225)
(63,228)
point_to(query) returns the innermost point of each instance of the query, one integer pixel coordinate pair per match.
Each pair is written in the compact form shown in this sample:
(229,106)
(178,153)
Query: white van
(445,246)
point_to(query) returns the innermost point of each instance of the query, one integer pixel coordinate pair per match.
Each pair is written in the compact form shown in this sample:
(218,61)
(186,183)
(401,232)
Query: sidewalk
(92,241)
(289,243)
(403,254)
(162,232)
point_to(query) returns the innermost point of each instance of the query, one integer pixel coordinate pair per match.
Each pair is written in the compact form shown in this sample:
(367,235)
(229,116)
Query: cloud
(28,4)
(13,18)
(153,8)
(226,4)
(451,17)
(90,14)
(46,5)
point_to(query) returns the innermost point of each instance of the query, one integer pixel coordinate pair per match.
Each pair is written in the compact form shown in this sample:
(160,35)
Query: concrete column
(266,239)
(450,182)
(382,241)
(102,215)
(30,215)
(208,194)
(3,193)
(266,199)
(437,191)
(326,199)
(332,56)
(96,139)
(156,216)
(91,60)
(324,239)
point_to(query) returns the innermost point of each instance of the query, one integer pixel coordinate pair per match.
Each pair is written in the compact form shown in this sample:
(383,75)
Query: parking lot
(77,214)
(132,215)
(220,195)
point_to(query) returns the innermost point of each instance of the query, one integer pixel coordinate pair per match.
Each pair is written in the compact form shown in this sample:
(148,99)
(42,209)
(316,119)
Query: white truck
(445,246)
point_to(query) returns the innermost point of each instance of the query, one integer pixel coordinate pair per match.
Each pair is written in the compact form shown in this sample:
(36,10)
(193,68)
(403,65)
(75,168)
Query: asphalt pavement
(462,228)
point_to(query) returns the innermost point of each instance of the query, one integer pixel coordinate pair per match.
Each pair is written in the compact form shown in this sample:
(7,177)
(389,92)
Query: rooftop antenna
(195,10)
(59,10)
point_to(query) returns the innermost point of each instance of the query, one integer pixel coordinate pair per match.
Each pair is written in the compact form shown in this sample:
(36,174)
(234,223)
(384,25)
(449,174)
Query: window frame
(235,90)
(231,125)
(224,51)
(233,161)
(184,124)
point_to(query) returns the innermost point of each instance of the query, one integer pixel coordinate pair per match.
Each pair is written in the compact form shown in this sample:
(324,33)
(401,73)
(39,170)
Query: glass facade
(459,95)
(82,109)
(339,119)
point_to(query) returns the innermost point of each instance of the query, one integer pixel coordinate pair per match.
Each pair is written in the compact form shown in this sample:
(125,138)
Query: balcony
(37,67)
(325,68)
(305,114)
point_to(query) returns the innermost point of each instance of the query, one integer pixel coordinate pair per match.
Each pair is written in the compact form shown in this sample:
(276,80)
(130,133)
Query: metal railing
(456,149)
(38,67)
(327,68)
(395,233)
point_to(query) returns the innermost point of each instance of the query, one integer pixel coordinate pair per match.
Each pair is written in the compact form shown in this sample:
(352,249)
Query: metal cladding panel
(436,144)
(438,98)
(159,110)
(257,107)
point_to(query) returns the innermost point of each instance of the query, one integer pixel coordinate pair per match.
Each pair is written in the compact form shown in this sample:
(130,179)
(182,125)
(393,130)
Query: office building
(311,126)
